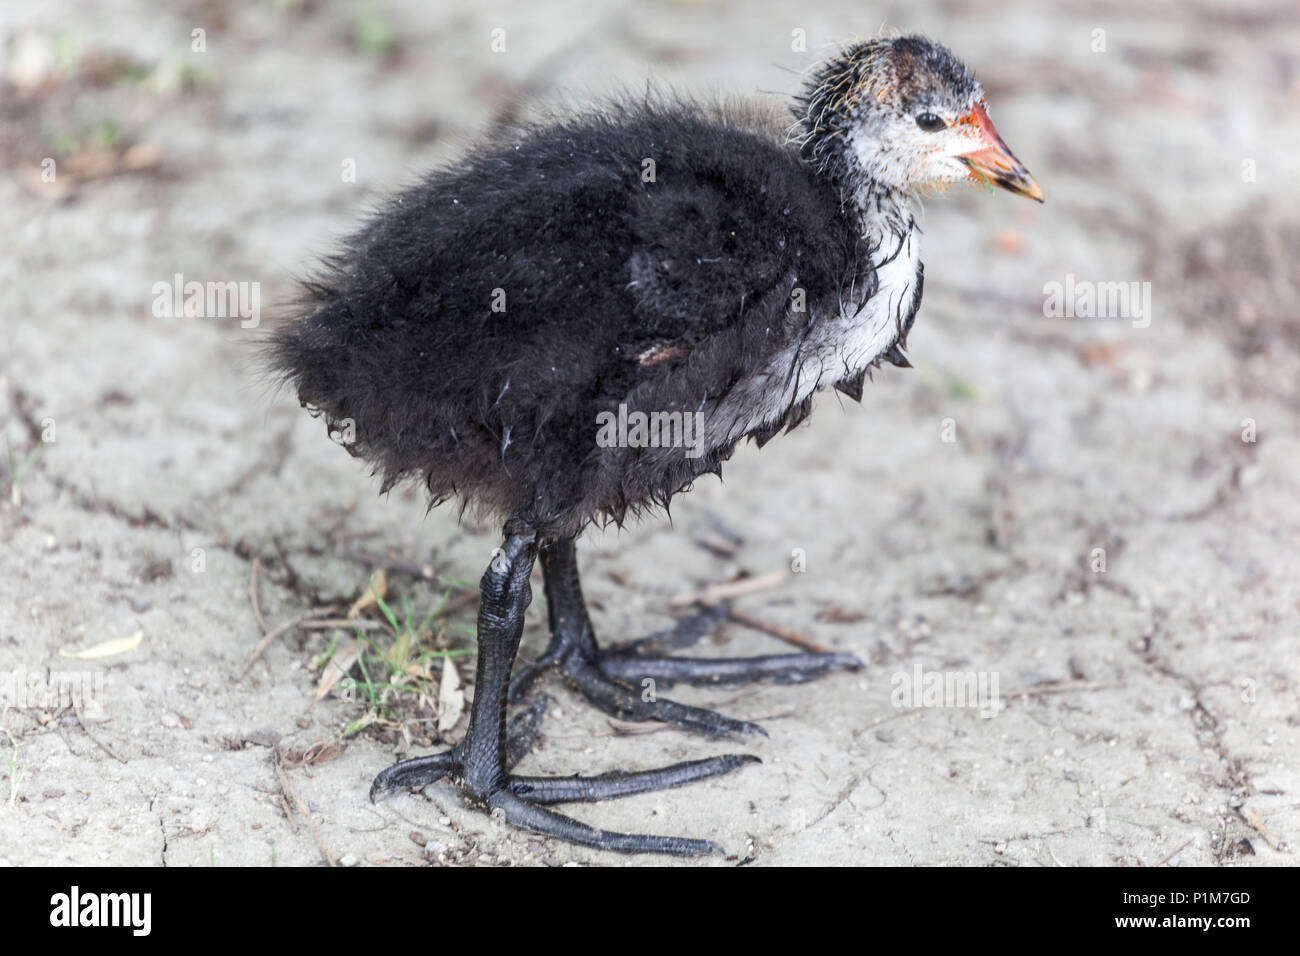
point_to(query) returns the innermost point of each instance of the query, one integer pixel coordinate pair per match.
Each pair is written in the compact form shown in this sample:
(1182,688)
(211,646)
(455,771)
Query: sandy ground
(952,522)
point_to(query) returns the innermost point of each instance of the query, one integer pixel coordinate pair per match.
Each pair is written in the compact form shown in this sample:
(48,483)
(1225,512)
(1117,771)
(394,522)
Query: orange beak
(995,163)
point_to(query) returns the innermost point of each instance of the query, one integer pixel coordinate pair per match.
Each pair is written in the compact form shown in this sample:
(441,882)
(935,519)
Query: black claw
(618,783)
(416,772)
(687,631)
(781,668)
(524,730)
(625,703)
(522,798)
(549,823)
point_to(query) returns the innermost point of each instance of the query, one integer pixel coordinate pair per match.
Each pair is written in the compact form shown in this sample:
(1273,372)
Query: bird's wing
(698,264)
(727,269)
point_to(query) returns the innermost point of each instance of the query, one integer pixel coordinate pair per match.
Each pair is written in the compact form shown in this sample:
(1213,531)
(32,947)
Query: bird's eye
(930,123)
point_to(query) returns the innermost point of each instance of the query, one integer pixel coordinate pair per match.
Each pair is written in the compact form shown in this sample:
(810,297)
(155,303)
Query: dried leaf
(378,585)
(317,753)
(399,656)
(109,648)
(451,698)
(336,668)
(1256,820)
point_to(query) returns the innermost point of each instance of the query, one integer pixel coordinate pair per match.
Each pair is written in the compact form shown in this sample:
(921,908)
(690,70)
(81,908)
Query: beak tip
(995,165)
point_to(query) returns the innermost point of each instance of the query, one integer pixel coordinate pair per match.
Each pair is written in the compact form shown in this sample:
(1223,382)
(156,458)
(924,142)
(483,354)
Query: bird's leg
(480,764)
(621,680)
(504,597)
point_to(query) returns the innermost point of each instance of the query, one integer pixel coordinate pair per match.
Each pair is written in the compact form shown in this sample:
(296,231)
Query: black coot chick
(575,321)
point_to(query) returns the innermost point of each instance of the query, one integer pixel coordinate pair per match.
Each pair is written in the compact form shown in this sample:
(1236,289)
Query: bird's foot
(522,800)
(522,733)
(623,680)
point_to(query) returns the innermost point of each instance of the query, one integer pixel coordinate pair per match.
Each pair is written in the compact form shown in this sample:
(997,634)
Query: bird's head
(904,113)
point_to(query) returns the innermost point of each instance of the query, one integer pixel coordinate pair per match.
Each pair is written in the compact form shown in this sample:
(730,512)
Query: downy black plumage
(658,294)
(653,254)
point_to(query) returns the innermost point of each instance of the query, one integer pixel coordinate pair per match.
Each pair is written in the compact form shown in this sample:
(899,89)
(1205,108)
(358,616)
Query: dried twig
(325,624)
(81,719)
(292,794)
(374,559)
(784,634)
(719,549)
(716,593)
(1176,852)
(280,629)
(1256,821)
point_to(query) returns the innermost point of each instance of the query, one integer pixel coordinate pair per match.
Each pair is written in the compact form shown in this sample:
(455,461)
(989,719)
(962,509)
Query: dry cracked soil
(1099,512)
